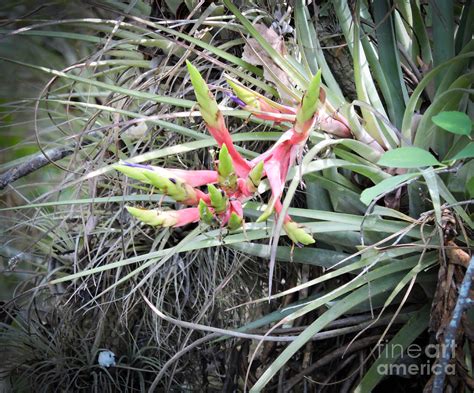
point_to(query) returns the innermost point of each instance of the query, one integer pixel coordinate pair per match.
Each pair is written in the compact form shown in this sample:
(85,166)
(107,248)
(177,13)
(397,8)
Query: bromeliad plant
(235,179)
(377,252)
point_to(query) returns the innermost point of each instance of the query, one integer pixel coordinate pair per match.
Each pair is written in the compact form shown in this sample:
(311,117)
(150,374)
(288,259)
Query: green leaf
(389,60)
(312,52)
(443,32)
(453,121)
(307,255)
(449,198)
(467,152)
(385,186)
(412,103)
(173,5)
(108,87)
(470,187)
(408,157)
(432,185)
(372,172)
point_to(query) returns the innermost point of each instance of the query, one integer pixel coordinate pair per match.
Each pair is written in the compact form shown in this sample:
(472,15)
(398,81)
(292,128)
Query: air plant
(235,179)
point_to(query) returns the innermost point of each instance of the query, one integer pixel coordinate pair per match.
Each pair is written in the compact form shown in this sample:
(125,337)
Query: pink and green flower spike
(235,179)
(307,110)
(195,178)
(171,182)
(168,218)
(215,120)
(266,109)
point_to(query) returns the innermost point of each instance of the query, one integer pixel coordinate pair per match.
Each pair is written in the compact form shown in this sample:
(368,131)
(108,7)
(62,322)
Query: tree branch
(36,162)
(462,304)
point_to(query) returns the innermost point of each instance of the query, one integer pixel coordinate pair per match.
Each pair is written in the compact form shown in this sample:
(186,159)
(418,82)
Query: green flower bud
(171,187)
(218,199)
(297,234)
(227,177)
(245,94)
(254,177)
(207,104)
(268,211)
(133,172)
(235,222)
(309,103)
(205,213)
(153,217)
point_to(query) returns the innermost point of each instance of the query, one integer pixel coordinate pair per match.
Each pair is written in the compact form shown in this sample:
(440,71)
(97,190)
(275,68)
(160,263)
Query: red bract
(222,136)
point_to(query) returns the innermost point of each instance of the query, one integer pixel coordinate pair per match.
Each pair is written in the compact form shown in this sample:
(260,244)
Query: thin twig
(335,355)
(221,332)
(43,158)
(38,161)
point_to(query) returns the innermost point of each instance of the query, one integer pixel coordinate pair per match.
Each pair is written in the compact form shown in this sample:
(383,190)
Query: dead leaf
(256,55)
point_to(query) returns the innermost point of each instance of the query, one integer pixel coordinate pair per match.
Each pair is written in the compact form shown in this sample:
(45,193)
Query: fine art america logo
(414,360)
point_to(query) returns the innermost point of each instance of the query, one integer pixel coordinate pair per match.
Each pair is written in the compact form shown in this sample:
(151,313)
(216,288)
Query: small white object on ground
(106,358)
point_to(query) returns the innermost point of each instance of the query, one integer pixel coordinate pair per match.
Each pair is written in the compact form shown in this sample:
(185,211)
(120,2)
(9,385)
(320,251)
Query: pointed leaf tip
(408,157)
(225,167)
(267,212)
(453,121)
